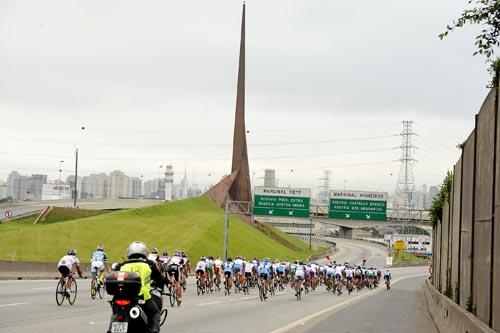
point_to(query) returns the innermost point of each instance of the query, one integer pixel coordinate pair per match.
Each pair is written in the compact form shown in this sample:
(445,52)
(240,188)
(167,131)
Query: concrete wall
(495,292)
(17,270)
(448,316)
(467,248)
(483,209)
(455,228)
(444,247)
(465,275)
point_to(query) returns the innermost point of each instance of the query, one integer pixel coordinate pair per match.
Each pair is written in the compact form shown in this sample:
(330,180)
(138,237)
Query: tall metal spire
(241,188)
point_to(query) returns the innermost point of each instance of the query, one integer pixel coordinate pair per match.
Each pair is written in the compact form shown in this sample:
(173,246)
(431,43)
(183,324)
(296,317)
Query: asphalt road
(29,306)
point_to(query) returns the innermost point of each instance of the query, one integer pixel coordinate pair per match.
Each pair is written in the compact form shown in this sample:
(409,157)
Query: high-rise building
(134,187)
(169,182)
(3,189)
(87,190)
(37,182)
(118,185)
(100,184)
(269,178)
(184,186)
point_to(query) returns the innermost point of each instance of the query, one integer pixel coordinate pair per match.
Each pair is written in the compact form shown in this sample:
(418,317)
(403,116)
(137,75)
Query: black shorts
(173,270)
(200,272)
(248,275)
(227,274)
(64,270)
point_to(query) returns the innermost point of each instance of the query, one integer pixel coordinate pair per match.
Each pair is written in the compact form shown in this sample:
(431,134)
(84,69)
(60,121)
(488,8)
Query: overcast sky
(154,83)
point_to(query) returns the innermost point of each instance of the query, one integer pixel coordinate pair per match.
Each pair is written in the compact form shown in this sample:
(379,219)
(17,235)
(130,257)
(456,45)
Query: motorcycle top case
(126,284)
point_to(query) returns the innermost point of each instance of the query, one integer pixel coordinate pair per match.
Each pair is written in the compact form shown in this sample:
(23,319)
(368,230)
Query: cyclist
(153,256)
(201,267)
(338,277)
(137,254)
(163,261)
(65,267)
(264,273)
(238,268)
(330,273)
(228,270)
(218,270)
(99,261)
(249,268)
(387,278)
(210,272)
(299,276)
(174,269)
(349,274)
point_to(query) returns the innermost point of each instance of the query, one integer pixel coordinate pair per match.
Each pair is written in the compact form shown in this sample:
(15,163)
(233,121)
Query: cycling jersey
(200,266)
(238,265)
(249,267)
(153,257)
(349,273)
(68,261)
(164,259)
(330,271)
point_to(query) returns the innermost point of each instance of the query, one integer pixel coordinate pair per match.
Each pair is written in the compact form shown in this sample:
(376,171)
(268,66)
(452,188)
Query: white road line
(12,304)
(209,303)
(342,304)
(42,288)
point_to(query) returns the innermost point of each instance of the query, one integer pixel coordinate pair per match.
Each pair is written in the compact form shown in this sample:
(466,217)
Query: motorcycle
(128,315)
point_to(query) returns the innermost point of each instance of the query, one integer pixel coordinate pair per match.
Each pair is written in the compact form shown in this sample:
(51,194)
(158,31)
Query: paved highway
(29,306)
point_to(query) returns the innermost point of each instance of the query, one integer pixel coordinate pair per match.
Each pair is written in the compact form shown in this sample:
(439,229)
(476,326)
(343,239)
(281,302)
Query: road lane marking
(13,304)
(332,308)
(208,303)
(42,288)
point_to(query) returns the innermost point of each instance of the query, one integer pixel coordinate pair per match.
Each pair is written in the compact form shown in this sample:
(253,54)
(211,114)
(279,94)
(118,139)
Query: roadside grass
(58,214)
(194,225)
(401,256)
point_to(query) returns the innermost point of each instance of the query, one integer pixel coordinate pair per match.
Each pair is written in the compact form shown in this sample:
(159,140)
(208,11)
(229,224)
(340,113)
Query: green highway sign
(358,205)
(277,201)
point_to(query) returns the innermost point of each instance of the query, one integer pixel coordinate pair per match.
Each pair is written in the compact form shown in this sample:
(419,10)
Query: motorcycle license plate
(119,327)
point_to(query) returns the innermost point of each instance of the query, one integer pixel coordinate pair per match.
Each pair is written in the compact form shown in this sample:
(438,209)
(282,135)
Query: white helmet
(137,249)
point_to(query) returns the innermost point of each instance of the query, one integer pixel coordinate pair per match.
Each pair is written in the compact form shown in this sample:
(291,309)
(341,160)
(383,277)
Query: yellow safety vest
(144,271)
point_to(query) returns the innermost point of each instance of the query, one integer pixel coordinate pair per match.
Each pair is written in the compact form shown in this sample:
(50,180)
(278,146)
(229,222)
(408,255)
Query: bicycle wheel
(173,294)
(60,292)
(101,288)
(93,288)
(261,292)
(198,286)
(73,292)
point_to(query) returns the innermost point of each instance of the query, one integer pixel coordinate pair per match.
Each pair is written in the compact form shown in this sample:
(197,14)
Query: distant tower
(269,178)
(169,182)
(406,183)
(324,188)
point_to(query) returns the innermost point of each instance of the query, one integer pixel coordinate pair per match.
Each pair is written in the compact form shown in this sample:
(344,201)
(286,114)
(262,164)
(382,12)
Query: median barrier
(21,270)
(449,316)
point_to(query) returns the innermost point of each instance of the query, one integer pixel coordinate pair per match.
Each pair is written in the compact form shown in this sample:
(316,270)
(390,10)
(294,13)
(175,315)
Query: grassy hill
(195,225)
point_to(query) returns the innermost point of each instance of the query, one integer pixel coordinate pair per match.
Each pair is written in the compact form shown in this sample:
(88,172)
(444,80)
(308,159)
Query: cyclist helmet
(203,258)
(266,259)
(178,253)
(100,247)
(165,253)
(72,252)
(154,250)
(229,259)
(211,258)
(137,250)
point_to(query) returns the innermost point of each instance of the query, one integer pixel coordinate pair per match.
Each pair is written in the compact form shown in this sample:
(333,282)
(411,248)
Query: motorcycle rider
(137,254)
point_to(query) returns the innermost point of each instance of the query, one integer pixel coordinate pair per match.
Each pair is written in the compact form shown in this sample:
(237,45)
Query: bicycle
(62,291)
(96,287)
(298,293)
(200,288)
(388,283)
(173,295)
(227,290)
(262,294)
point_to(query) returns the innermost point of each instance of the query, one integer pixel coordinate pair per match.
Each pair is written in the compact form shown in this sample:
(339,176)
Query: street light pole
(226,230)
(60,170)
(75,193)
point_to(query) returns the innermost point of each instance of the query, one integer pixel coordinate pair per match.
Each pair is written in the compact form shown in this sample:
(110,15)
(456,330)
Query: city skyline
(138,110)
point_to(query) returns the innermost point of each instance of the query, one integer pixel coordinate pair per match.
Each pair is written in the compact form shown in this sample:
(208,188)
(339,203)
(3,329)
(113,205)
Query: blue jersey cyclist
(228,270)
(98,264)
(264,273)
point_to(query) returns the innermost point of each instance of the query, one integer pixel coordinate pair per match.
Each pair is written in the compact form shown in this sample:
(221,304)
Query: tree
(436,210)
(487,14)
